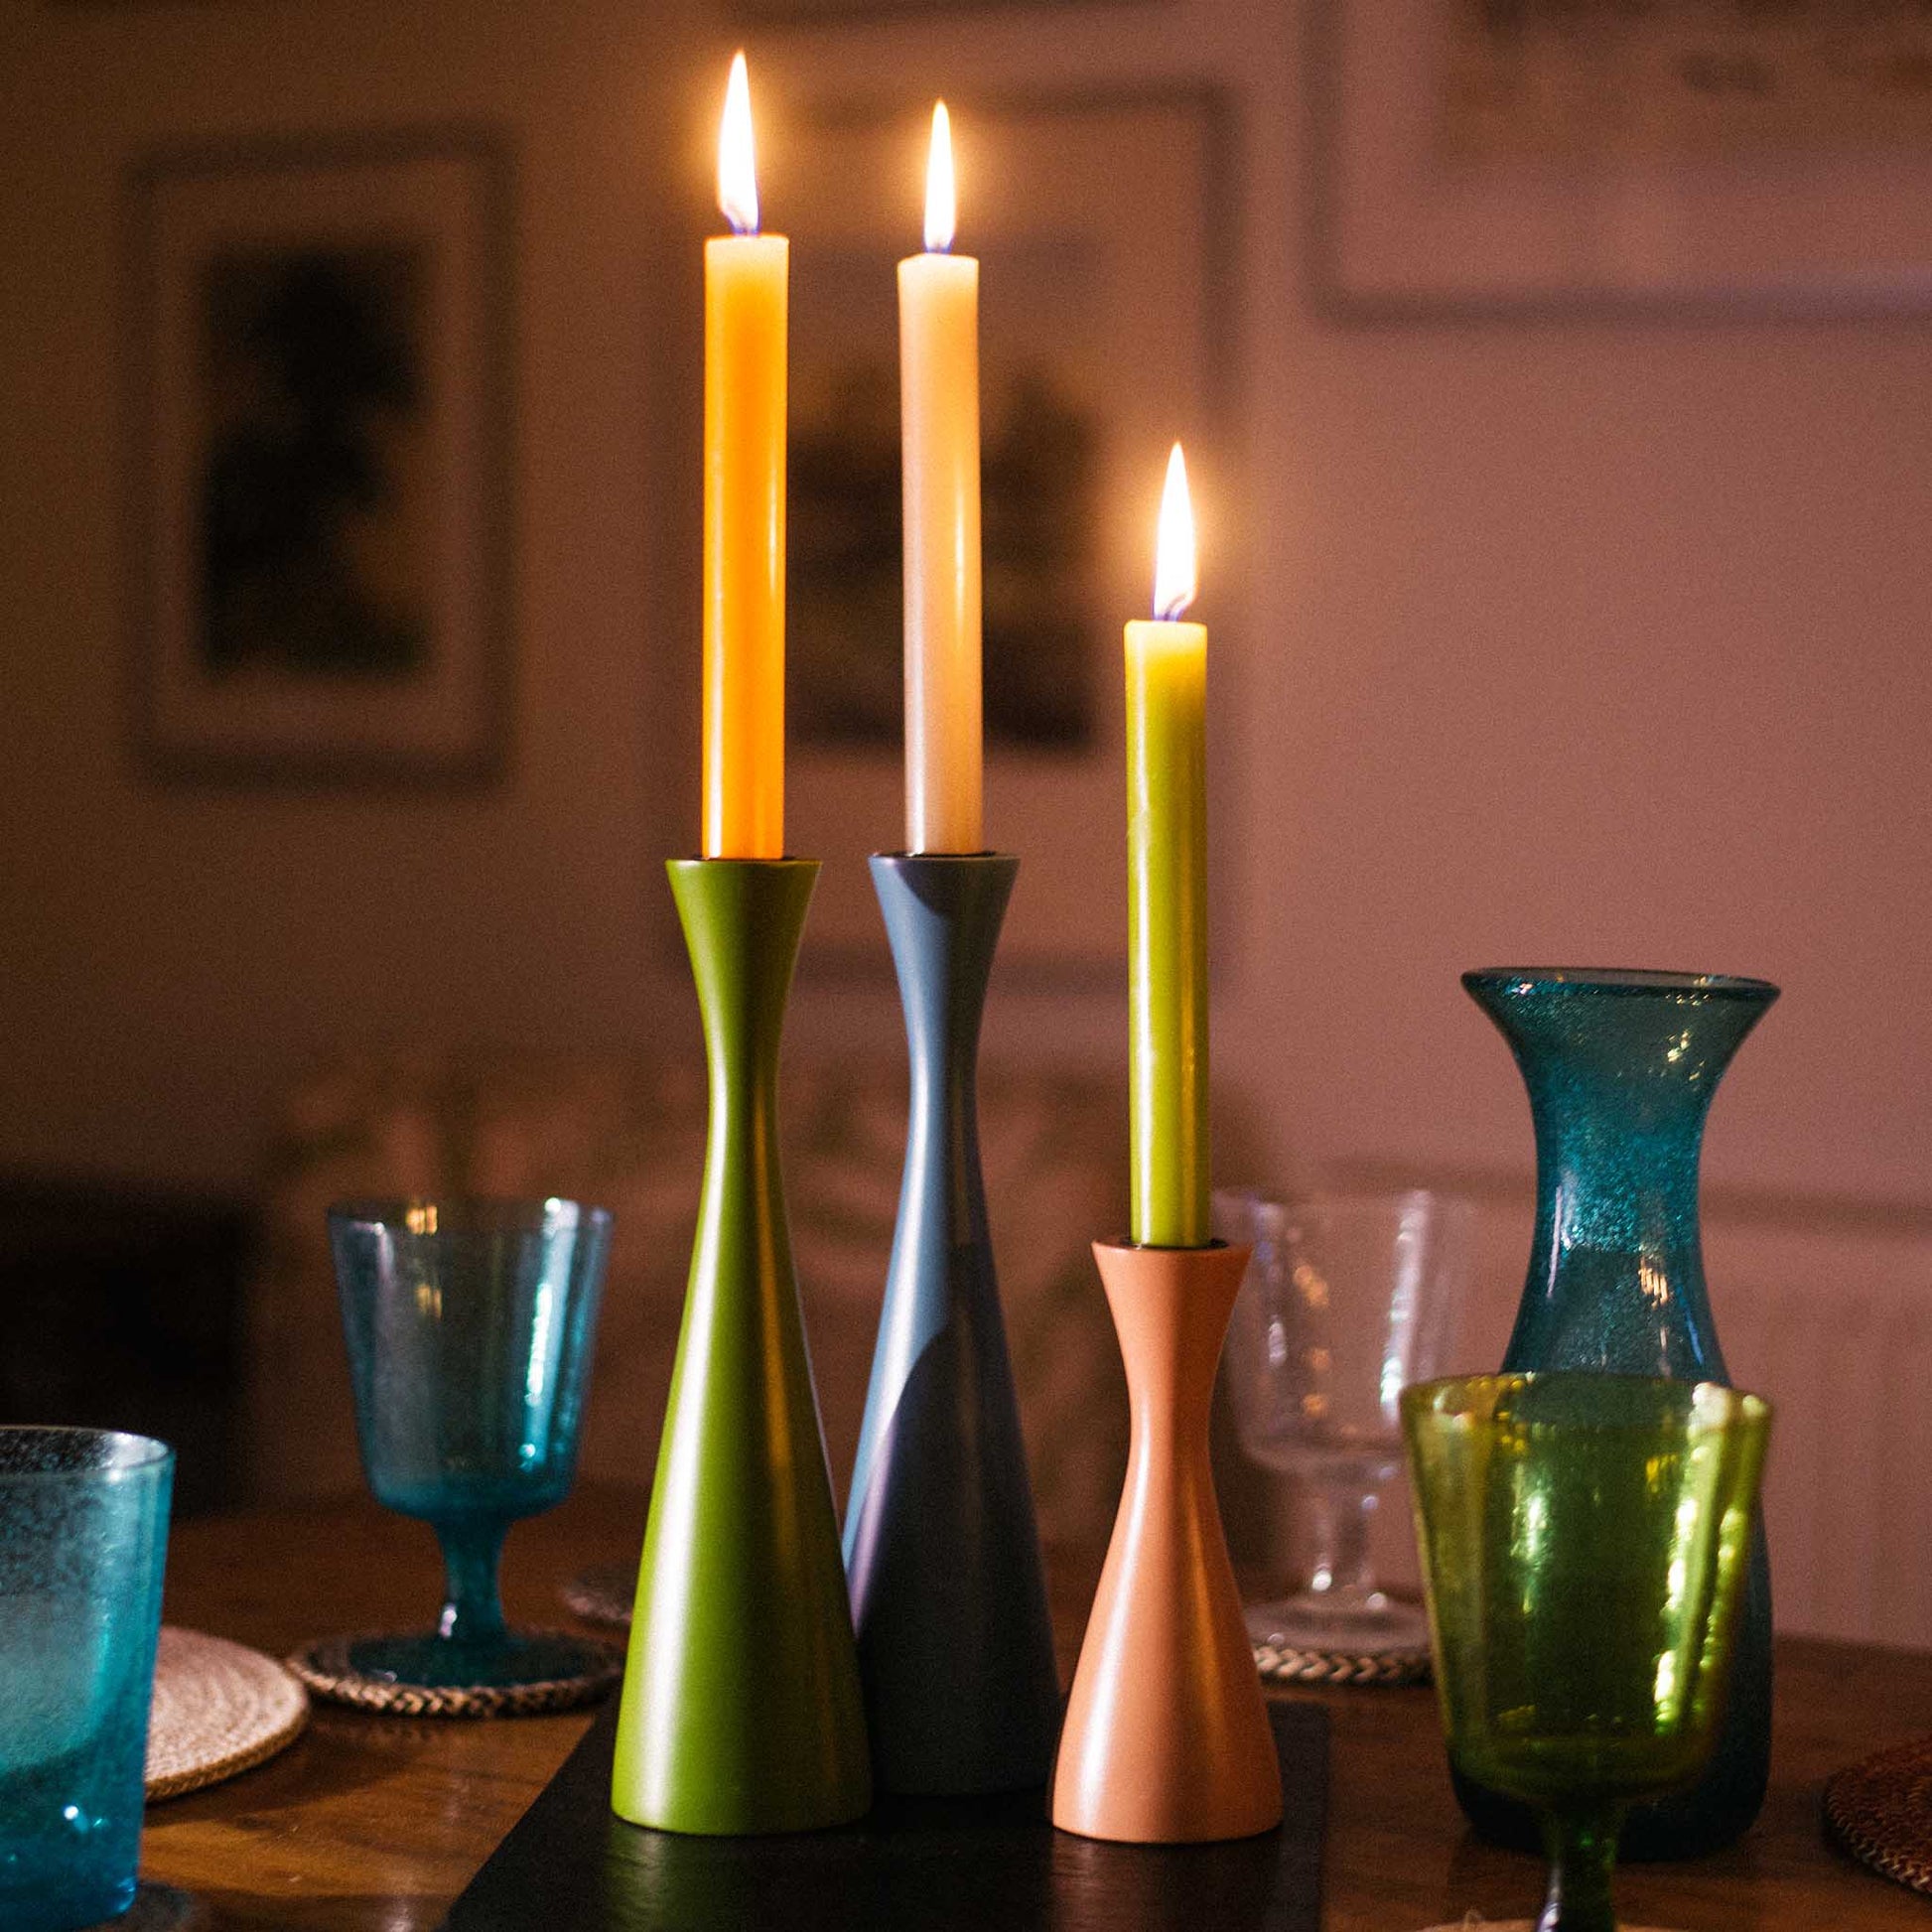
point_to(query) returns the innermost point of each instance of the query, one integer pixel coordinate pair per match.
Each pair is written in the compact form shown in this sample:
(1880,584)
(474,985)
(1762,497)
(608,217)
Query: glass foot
(603,1594)
(144,1908)
(155,1908)
(499,1662)
(1364,1626)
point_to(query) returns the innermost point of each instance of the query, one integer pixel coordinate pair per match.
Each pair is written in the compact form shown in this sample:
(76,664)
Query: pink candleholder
(1167,1738)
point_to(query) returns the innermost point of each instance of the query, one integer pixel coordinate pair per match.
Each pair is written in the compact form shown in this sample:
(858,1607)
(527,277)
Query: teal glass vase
(1621,1067)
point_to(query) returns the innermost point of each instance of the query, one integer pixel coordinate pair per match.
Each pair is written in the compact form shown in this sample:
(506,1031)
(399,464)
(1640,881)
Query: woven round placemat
(605,1594)
(1476,1922)
(1880,1811)
(219,1707)
(1287,1665)
(324,1666)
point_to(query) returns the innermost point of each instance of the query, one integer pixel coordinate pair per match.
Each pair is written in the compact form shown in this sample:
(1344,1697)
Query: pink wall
(1590,640)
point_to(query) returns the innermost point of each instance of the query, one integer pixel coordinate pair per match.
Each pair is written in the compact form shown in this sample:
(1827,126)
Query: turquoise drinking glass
(469,1326)
(1584,1539)
(84,1538)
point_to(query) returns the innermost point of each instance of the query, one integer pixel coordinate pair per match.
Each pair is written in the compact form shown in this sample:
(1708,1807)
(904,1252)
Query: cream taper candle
(939,417)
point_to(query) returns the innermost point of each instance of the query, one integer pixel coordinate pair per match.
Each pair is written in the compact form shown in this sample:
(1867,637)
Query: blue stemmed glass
(469,1326)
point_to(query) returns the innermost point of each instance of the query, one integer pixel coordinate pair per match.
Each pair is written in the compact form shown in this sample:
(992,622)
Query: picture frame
(1545,157)
(319,461)
(1101,222)
(846,13)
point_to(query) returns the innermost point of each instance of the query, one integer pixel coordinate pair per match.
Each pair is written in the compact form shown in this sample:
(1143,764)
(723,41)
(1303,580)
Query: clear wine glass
(1348,1298)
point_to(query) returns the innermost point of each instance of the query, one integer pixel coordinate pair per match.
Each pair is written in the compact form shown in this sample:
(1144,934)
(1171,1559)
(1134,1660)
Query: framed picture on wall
(1098,222)
(1687,155)
(319,461)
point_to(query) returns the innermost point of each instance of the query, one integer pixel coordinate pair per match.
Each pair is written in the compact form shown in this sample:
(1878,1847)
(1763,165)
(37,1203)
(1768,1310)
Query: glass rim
(1420,1398)
(1623,979)
(1353,1200)
(130,1452)
(466,1213)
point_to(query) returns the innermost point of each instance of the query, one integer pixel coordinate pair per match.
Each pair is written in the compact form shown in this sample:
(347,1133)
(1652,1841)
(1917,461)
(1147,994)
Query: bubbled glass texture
(1586,1541)
(83,1536)
(1621,1067)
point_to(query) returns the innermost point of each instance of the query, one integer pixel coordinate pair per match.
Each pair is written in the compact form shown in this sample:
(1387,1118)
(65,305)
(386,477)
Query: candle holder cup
(942,1553)
(1167,1738)
(741,1710)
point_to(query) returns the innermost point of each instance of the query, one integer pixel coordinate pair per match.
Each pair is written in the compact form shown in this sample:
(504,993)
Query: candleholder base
(740,1708)
(948,1597)
(1167,1738)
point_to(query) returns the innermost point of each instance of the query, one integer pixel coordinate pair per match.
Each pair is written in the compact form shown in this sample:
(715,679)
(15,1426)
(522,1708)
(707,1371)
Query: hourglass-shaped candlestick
(948,1597)
(1167,1738)
(741,1710)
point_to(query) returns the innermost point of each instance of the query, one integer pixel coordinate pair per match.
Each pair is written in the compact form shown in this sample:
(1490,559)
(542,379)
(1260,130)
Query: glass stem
(1341,1513)
(473,1610)
(1581,1848)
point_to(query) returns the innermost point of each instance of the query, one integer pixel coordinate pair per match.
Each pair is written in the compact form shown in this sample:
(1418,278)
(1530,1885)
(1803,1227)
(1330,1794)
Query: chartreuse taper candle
(745,340)
(1165,1739)
(1166,892)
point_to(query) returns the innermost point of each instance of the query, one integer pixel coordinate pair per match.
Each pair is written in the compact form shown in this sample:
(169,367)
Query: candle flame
(941,200)
(738,182)
(1173,553)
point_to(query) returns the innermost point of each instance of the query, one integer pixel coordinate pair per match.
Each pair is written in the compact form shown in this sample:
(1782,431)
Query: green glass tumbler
(1584,1541)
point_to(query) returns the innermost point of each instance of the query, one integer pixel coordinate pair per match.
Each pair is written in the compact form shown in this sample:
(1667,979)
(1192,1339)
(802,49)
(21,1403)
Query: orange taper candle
(744,510)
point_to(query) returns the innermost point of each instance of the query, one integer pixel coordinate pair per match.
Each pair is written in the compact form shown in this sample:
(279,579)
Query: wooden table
(369,1825)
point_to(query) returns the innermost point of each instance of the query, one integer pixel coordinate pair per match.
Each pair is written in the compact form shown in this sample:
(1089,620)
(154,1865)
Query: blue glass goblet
(469,1327)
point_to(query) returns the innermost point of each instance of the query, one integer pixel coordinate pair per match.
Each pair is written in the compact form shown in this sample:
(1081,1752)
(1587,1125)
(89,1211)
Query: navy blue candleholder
(941,1551)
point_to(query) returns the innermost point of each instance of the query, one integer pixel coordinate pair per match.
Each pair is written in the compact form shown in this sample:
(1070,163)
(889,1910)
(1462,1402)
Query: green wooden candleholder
(742,1709)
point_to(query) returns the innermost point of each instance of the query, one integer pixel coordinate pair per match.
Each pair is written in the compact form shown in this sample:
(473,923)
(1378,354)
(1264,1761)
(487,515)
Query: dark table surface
(372,1825)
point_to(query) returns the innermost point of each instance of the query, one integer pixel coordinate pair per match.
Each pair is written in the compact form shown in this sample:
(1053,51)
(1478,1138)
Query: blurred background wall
(1583,640)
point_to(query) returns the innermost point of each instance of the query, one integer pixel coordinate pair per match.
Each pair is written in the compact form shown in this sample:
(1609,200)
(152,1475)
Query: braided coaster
(1880,1811)
(325,1668)
(603,1594)
(219,1707)
(1292,1666)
